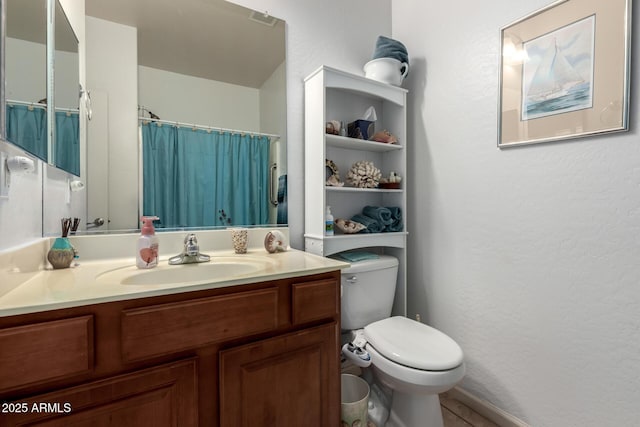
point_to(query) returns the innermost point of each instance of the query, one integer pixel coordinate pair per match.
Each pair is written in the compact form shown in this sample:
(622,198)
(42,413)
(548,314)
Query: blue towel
(380,214)
(390,48)
(282,216)
(358,256)
(372,225)
(396,215)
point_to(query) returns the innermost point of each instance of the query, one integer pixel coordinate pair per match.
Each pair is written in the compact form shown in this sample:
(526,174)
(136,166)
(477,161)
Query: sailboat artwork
(558,71)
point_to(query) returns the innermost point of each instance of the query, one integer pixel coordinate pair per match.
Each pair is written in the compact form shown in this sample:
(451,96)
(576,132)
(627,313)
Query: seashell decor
(384,136)
(364,174)
(275,241)
(334,179)
(348,227)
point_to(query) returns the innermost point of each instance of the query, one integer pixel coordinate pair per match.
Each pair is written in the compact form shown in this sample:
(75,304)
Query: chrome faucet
(191,252)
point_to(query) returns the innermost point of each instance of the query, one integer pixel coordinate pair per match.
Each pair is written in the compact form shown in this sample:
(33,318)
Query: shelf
(328,245)
(362,190)
(359,144)
(331,93)
(338,79)
(366,236)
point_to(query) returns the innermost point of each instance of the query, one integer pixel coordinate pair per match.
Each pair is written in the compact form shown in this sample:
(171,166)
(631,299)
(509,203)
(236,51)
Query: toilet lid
(413,344)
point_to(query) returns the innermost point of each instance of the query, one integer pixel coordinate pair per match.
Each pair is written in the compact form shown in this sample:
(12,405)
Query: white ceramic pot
(386,70)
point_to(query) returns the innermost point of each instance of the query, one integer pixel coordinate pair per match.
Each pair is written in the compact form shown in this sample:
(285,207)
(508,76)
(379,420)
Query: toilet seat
(413,344)
(411,380)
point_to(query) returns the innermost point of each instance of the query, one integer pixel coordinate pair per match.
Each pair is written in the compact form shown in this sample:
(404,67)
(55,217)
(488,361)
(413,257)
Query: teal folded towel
(358,256)
(390,48)
(373,226)
(396,216)
(380,214)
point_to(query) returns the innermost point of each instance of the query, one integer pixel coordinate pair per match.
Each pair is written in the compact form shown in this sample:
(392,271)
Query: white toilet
(412,359)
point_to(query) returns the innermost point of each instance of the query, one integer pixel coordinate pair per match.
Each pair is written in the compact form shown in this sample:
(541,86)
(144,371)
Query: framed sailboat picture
(564,72)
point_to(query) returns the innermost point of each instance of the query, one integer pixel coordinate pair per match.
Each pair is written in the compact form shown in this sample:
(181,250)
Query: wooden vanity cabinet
(161,396)
(280,381)
(263,354)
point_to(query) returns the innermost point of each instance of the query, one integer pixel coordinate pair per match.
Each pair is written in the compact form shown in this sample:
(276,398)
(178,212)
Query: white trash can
(354,401)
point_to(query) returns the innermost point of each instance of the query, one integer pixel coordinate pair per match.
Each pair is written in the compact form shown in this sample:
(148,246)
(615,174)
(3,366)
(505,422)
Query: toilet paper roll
(76,185)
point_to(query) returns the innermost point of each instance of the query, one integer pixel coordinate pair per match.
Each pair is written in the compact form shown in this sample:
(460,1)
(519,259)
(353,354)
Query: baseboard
(486,409)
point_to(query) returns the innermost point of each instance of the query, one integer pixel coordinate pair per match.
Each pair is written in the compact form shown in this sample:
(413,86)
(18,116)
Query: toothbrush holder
(239,237)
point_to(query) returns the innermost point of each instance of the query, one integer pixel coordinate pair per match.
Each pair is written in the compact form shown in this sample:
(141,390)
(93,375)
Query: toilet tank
(368,289)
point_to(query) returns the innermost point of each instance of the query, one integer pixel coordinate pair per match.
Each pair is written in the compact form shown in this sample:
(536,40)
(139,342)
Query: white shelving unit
(331,94)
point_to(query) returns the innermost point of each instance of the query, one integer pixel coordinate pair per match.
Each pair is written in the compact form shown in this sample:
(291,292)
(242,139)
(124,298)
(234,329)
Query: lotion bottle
(328,222)
(147,254)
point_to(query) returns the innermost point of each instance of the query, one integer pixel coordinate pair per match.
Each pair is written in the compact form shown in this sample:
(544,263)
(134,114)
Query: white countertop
(81,285)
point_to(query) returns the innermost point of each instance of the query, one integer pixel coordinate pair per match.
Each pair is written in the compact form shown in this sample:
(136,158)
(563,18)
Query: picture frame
(564,72)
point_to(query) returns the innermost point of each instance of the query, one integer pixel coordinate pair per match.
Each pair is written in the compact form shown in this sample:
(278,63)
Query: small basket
(389,185)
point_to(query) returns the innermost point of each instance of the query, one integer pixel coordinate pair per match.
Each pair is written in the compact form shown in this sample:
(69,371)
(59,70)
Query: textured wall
(527,257)
(25,70)
(21,212)
(335,33)
(182,98)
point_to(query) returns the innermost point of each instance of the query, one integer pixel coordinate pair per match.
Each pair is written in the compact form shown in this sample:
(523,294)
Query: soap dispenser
(328,222)
(147,255)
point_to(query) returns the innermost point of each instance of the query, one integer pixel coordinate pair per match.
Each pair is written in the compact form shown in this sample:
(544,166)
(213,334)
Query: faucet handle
(191,247)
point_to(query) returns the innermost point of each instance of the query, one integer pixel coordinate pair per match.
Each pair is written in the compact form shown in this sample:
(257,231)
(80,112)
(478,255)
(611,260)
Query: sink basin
(218,269)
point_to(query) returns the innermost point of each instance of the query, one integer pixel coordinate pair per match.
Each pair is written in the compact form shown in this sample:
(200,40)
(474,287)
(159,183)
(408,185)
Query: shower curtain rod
(190,125)
(67,110)
(27,104)
(38,105)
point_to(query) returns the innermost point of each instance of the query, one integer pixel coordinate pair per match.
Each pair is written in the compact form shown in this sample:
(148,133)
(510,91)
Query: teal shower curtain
(199,178)
(27,128)
(68,142)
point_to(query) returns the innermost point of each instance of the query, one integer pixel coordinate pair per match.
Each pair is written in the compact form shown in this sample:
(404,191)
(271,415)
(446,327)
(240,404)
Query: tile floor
(455,414)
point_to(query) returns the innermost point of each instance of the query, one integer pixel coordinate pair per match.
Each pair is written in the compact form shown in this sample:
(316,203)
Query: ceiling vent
(263,18)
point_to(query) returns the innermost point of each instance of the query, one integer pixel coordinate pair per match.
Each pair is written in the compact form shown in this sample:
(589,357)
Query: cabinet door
(162,396)
(288,381)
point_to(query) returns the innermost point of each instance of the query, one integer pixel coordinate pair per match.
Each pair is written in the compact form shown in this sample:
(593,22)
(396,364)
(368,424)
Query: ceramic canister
(386,70)
(61,253)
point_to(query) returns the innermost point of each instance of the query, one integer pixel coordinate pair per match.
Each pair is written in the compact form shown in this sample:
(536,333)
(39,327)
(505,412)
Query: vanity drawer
(45,351)
(168,328)
(315,300)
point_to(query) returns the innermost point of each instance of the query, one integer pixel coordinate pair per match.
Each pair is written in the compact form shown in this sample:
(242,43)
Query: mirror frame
(3,30)
(56,9)
(51,104)
(50,78)
(49,85)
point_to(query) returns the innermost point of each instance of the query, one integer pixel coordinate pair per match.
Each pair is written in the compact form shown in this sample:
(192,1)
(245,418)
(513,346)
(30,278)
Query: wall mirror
(26,75)
(66,67)
(189,115)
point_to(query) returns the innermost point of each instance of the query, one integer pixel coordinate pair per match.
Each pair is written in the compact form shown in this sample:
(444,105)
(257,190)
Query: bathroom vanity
(260,353)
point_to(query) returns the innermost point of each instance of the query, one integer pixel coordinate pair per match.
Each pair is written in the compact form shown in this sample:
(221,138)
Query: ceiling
(212,39)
